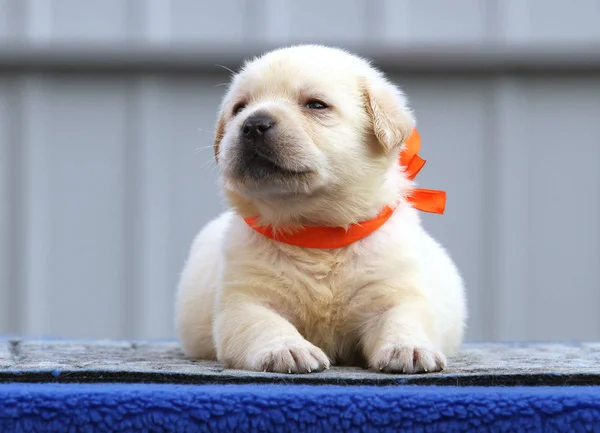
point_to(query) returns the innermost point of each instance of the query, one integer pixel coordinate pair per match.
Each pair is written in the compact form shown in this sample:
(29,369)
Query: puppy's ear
(219,133)
(391,118)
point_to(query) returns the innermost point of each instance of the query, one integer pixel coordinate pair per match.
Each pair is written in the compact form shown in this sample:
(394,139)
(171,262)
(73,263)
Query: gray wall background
(106,170)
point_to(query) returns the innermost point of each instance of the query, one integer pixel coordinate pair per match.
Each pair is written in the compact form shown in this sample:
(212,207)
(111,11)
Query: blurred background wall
(107,110)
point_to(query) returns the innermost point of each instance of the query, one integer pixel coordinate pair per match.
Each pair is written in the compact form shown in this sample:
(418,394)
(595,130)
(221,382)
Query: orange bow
(426,200)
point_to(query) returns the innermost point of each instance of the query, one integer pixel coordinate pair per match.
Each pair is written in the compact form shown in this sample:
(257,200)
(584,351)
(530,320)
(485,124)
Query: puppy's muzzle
(257,126)
(262,157)
(258,137)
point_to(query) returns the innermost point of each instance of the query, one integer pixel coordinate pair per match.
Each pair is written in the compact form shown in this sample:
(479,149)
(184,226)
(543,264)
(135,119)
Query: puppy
(309,137)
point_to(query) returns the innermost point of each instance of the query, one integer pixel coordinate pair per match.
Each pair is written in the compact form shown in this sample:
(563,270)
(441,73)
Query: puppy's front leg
(401,340)
(251,336)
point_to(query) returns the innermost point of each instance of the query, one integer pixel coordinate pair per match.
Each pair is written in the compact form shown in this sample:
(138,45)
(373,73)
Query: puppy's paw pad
(292,357)
(408,359)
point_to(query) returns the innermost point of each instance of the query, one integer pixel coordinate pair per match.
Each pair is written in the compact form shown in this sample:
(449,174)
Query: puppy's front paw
(290,356)
(407,358)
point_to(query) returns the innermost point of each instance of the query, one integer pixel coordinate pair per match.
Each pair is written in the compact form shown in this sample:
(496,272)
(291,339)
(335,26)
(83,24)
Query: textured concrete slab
(163,362)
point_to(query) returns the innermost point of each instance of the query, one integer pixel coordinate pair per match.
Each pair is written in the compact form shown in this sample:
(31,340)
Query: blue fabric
(229,408)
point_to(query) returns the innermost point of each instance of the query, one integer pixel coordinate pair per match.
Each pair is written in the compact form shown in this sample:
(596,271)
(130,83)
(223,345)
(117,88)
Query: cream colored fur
(393,301)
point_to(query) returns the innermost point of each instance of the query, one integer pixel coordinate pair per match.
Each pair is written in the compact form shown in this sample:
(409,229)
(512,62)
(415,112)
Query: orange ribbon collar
(426,200)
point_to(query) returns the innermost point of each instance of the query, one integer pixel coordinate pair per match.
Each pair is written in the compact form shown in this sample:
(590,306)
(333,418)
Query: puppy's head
(311,134)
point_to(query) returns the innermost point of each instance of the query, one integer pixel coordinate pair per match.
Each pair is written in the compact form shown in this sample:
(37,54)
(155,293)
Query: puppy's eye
(238,107)
(315,104)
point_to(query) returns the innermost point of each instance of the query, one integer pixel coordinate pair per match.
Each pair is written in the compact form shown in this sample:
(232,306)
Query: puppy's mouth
(261,166)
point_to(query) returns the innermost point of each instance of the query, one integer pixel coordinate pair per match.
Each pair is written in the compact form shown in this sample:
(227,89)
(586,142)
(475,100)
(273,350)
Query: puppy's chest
(322,278)
(322,289)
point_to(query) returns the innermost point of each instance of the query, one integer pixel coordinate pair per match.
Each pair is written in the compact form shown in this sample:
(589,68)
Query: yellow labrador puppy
(308,138)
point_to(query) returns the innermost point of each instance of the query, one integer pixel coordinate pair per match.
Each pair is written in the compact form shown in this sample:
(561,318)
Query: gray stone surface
(163,362)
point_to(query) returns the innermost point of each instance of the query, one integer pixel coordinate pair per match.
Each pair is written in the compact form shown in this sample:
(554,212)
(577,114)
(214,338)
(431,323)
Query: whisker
(201,148)
(226,68)
(207,162)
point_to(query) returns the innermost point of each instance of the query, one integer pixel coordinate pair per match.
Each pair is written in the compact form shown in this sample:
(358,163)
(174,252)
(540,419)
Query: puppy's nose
(257,125)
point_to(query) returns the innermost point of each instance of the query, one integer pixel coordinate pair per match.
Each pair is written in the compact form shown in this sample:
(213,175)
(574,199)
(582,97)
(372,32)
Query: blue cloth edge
(135,407)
